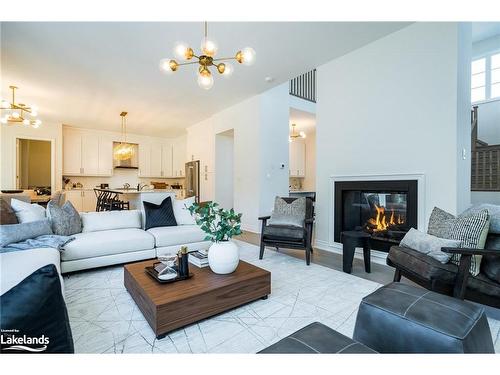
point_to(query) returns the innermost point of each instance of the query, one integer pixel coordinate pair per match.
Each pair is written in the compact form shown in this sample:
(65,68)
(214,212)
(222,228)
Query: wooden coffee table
(170,306)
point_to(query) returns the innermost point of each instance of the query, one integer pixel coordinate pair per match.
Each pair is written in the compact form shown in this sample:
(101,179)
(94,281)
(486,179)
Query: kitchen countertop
(135,191)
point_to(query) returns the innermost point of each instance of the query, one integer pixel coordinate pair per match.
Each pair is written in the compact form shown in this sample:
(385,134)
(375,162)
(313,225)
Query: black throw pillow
(34,317)
(159,215)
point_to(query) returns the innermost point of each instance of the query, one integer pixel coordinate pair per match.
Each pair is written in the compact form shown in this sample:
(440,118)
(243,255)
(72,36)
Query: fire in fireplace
(384,209)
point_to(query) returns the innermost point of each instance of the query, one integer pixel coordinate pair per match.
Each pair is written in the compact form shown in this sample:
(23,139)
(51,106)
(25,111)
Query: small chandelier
(294,135)
(123,150)
(209,48)
(15,113)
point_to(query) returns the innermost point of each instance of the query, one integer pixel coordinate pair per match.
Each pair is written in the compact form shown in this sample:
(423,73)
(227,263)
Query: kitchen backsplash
(119,178)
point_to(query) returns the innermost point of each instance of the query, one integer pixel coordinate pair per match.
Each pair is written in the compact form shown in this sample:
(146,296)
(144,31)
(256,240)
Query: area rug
(105,319)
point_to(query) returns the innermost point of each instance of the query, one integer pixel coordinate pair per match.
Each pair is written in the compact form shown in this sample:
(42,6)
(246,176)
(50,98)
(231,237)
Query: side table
(350,240)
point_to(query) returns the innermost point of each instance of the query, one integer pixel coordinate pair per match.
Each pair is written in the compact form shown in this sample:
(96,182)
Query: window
(485,78)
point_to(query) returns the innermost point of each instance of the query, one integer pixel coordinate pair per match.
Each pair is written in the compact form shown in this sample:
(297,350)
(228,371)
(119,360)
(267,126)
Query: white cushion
(15,266)
(177,235)
(181,213)
(27,212)
(100,243)
(110,220)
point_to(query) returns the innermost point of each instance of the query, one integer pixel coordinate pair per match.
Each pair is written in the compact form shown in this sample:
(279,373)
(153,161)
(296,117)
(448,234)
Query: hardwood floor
(379,273)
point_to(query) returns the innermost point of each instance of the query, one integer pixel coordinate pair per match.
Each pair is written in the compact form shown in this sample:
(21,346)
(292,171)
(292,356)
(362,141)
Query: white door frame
(52,158)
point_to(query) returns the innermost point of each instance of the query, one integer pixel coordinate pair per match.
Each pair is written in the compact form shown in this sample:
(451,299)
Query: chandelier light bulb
(248,56)
(26,122)
(37,123)
(34,113)
(182,51)
(205,81)
(302,134)
(209,46)
(15,115)
(165,66)
(228,70)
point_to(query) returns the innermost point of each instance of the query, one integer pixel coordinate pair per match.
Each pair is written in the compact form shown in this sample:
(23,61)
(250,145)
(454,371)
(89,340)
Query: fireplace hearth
(384,209)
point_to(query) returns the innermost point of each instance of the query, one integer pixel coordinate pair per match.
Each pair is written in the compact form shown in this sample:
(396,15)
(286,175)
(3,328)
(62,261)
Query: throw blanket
(46,240)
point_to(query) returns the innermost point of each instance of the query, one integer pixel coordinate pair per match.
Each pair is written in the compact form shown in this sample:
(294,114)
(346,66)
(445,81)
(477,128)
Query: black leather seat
(400,318)
(283,233)
(317,338)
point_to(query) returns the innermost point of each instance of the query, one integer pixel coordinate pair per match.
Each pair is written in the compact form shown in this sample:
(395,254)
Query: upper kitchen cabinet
(166,160)
(86,154)
(297,158)
(179,157)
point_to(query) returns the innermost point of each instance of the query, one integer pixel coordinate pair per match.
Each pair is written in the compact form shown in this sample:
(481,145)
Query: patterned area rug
(105,319)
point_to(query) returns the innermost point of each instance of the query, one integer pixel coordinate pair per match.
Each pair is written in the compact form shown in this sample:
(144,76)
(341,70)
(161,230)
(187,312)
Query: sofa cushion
(35,309)
(27,212)
(65,220)
(7,214)
(178,235)
(428,244)
(16,266)
(19,232)
(490,264)
(109,242)
(159,215)
(181,211)
(283,233)
(110,220)
(422,265)
(494,211)
(291,212)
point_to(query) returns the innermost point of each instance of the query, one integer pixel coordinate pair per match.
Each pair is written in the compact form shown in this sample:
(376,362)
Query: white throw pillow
(27,212)
(181,213)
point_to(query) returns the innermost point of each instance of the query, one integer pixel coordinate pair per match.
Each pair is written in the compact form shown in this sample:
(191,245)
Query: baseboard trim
(378,257)
(250,228)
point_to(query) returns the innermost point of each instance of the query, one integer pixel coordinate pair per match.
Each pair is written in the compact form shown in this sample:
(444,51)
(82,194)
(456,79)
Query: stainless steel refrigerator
(193,180)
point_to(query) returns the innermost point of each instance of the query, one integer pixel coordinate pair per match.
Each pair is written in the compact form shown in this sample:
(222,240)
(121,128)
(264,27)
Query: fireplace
(384,209)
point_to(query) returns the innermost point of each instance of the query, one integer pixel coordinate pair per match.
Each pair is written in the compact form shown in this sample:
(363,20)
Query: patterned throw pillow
(65,220)
(470,229)
(292,214)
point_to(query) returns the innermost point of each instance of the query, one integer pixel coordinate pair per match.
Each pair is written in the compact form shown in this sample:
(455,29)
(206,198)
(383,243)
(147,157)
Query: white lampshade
(228,72)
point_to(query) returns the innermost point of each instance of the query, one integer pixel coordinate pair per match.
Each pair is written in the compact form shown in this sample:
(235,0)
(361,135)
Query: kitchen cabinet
(179,158)
(166,160)
(297,154)
(144,159)
(156,160)
(82,200)
(86,154)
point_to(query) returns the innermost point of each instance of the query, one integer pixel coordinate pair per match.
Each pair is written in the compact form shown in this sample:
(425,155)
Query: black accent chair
(449,278)
(289,237)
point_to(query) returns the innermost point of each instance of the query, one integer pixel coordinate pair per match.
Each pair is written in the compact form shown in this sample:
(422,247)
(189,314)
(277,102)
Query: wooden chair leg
(397,275)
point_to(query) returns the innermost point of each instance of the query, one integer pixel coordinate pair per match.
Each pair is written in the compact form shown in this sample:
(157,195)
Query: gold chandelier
(123,150)
(294,135)
(206,59)
(15,113)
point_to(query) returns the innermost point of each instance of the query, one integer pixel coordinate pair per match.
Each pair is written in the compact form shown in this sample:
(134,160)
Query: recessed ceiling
(484,30)
(85,73)
(304,121)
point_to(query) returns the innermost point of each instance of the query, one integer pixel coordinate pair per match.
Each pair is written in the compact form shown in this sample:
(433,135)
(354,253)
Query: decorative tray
(150,270)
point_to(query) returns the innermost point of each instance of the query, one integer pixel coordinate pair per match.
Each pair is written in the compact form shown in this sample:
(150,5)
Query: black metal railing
(304,86)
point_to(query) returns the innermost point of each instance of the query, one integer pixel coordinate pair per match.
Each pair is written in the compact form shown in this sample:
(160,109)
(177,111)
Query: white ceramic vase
(223,257)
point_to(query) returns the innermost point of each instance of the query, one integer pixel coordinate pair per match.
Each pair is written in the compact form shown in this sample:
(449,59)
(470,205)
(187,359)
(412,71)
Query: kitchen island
(136,197)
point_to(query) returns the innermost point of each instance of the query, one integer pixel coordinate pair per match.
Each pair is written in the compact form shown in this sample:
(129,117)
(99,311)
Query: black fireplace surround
(385,209)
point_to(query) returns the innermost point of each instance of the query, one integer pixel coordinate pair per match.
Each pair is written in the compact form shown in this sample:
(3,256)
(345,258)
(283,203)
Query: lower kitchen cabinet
(83,200)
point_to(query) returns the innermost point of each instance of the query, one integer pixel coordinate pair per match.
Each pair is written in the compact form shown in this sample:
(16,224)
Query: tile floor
(104,318)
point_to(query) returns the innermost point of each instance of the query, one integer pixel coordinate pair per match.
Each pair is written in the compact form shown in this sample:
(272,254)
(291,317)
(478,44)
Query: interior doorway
(224,169)
(34,165)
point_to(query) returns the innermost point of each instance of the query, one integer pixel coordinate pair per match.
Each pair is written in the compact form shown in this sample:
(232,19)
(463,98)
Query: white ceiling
(85,74)
(484,30)
(304,121)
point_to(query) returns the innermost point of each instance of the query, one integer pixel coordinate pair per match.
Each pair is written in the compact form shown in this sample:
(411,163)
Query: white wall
(260,127)
(224,164)
(391,107)
(46,131)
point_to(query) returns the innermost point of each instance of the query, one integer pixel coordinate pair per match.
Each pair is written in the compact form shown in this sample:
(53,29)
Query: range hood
(132,163)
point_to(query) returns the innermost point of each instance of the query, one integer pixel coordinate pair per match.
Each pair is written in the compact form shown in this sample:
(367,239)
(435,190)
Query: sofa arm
(464,251)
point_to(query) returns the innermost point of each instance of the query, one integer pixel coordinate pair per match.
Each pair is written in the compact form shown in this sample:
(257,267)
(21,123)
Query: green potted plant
(220,226)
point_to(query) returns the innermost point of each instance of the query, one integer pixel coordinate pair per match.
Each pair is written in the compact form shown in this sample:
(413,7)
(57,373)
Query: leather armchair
(289,237)
(449,278)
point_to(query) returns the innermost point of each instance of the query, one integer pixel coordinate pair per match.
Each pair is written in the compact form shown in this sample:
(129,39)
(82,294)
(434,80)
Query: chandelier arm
(224,58)
(188,63)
